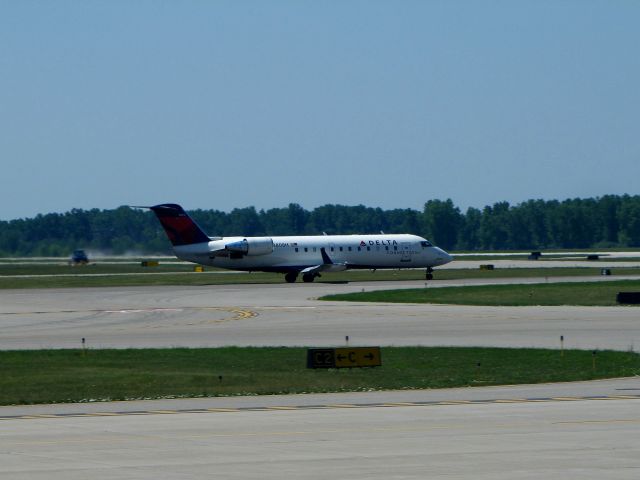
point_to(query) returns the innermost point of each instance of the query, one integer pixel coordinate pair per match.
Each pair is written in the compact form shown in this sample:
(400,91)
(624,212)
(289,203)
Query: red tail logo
(179,226)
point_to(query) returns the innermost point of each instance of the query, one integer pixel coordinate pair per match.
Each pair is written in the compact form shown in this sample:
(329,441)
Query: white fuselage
(299,252)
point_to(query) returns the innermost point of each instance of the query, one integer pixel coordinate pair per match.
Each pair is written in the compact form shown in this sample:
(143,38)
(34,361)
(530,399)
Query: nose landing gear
(429,273)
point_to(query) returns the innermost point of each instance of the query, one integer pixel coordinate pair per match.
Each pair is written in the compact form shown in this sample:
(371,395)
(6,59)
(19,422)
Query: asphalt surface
(290,315)
(576,430)
(509,439)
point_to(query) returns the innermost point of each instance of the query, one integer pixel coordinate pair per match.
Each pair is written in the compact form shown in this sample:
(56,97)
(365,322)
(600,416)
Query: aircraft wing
(324,267)
(327,266)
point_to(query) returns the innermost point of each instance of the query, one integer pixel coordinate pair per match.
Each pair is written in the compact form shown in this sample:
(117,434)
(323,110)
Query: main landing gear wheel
(291,277)
(308,277)
(429,274)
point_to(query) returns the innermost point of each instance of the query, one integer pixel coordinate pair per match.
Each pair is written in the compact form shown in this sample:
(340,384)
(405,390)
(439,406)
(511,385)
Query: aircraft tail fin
(179,227)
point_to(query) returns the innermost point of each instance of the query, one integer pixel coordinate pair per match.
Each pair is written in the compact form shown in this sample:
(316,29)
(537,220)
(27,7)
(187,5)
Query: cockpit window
(426,244)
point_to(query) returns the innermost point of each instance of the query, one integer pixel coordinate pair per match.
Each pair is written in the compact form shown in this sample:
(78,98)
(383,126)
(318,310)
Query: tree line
(608,221)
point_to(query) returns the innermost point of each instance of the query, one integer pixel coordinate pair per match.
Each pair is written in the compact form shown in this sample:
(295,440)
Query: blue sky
(216,104)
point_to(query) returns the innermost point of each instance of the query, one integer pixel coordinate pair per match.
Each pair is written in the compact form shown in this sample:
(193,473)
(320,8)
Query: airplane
(308,256)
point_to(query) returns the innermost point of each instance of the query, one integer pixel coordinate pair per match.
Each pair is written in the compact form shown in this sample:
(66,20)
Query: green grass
(578,293)
(139,279)
(50,376)
(33,268)
(37,275)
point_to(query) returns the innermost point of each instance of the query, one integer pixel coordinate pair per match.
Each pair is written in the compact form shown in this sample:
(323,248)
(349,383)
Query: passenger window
(395,247)
(386,248)
(359,249)
(296,249)
(306,249)
(340,248)
(349,248)
(332,249)
(368,249)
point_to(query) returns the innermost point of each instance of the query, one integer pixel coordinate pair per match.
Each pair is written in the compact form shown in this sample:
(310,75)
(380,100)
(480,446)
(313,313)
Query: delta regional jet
(308,256)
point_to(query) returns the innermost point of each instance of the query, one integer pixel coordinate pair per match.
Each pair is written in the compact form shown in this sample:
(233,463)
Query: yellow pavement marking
(326,406)
(615,397)
(26,417)
(584,422)
(241,314)
(238,314)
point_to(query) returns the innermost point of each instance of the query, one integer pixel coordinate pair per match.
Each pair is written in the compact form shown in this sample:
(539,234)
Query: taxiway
(461,439)
(291,315)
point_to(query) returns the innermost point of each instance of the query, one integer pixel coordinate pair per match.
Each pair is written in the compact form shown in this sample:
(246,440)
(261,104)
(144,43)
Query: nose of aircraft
(443,257)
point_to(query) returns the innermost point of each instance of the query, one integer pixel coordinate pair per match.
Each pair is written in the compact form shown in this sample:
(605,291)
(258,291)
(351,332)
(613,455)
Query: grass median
(53,376)
(573,293)
(64,276)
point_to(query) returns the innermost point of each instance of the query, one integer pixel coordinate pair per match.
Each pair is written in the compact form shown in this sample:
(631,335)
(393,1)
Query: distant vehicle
(78,257)
(308,256)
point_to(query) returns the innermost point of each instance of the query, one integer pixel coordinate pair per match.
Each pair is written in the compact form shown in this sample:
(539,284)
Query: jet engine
(251,246)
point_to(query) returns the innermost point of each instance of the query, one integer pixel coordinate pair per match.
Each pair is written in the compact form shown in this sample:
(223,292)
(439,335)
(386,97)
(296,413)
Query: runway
(291,315)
